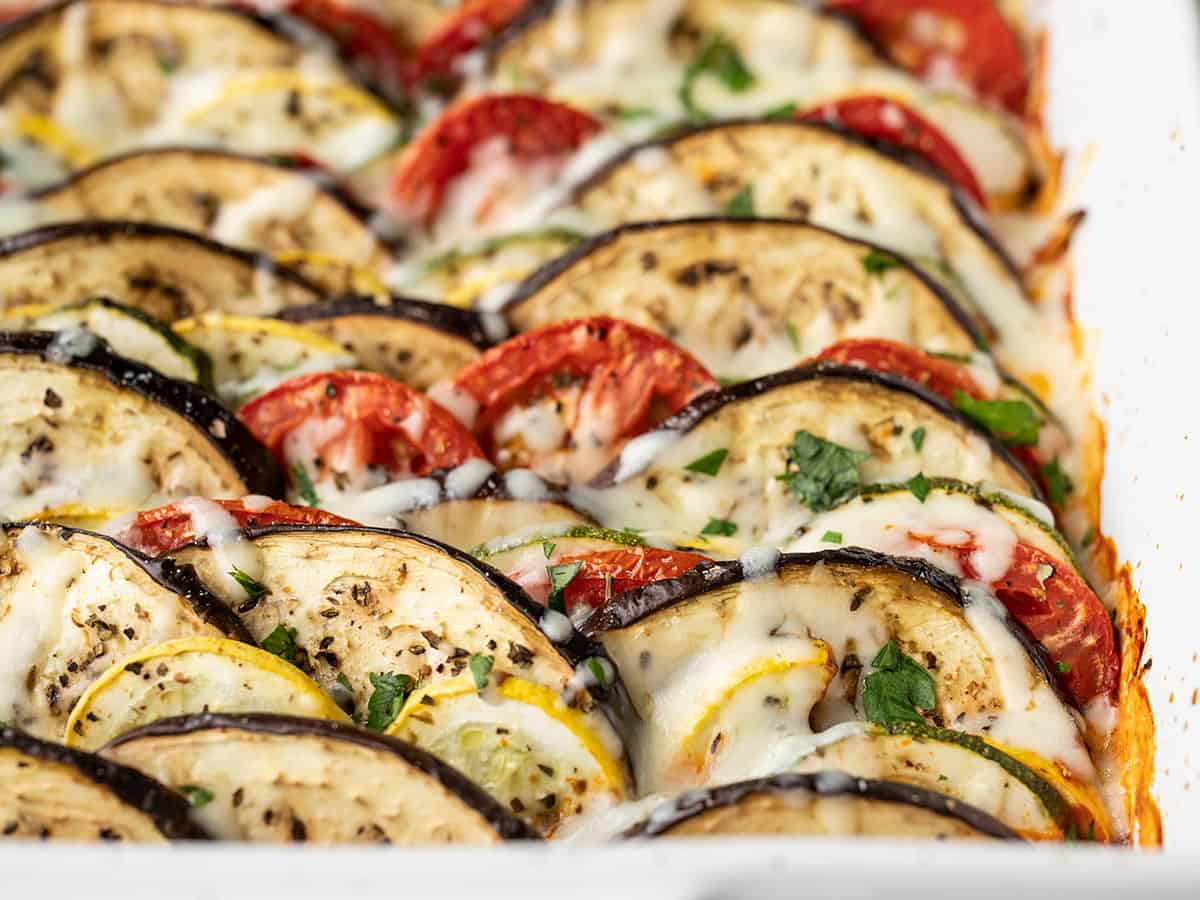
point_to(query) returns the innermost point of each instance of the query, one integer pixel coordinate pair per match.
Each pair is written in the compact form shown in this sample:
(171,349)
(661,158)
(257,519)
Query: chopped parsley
(741,206)
(918,486)
(548,548)
(596,667)
(709,463)
(720,527)
(560,577)
(1012,421)
(821,474)
(633,113)
(1058,483)
(481,667)
(167,65)
(831,537)
(782,112)
(304,485)
(253,588)
(1064,668)
(877,262)
(281,642)
(196,795)
(897,689)
(345,682)
(386,701)
(719,58)
(918,438)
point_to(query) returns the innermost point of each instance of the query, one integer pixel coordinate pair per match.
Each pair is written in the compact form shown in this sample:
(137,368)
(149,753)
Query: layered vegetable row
(539,419)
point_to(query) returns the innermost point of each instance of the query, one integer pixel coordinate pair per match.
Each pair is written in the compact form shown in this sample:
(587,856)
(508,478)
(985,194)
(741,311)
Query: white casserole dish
(1125,104)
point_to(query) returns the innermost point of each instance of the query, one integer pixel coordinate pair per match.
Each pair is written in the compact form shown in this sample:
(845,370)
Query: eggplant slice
(138,61)
(283,779)
(651,488)
(413,341)
(823,804)
(355,604)
(744,296)
(241,201)
(50,792)
(725,660)
(816,174)
(84,427)
(192,675)
(74,602)
(167,273)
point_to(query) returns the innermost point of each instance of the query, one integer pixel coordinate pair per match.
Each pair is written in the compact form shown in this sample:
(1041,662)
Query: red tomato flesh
(362,38)
(459,33)
(941,376)
(607,573)
(167,528)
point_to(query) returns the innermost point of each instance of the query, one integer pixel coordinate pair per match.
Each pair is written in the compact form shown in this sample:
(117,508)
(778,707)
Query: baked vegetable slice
(51,792)
(241,201)
(823,804)
(413,341)
(751,464)
(85,427)
(731,658)
(192,675)
(282,779)
(134,58)
(376,615)
(744,296)
(819,175)
(164,272)
(75,602)
(127,330)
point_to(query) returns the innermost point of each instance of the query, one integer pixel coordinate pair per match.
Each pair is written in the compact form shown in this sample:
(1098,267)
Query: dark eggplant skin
(706,404)
(253,462)
(181,580)
(890,151)
(168,810)
(825,784)
(506,824)
(633,606)
(104,230)
(555,267)
(461,323)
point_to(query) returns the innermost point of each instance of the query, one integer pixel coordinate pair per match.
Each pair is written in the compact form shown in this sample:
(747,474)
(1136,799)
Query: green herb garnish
(304,485)
(821,474)
(831,537)
(781,113)
(741,206)
(1058,483)
(721,59)
(548,548)
(481,667)
(918,438)
(794,337)
(918,486)
(877,262)
(196,795)
(560,577)
(596,667)
(345,682)
(1088,537)
(281,642)
(720,527)
(633,113)
(1064,668)
(898,688)
(253,588)
(386,701)
(709,463)
(1012,421)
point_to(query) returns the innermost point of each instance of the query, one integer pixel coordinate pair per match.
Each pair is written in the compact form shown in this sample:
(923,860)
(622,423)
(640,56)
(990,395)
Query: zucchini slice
(192,675)
(138,62)
(166,273)
(129,331)
(252,355)
(283,779)
(816,174)
(412,341)
(83,426)
(366,611)
(744,296)
(725,660)
(239,200)
(858,424)
(822,804)
(51,792)
(73,603)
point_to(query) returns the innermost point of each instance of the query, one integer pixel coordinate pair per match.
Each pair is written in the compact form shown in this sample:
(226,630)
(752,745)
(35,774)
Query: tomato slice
(942,376)
(972,35)
(362,38)
(1060,610)
(607,573)
(881,118)
(582,387)
(534,128)
(167,528)
(466,28)
(354,420)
